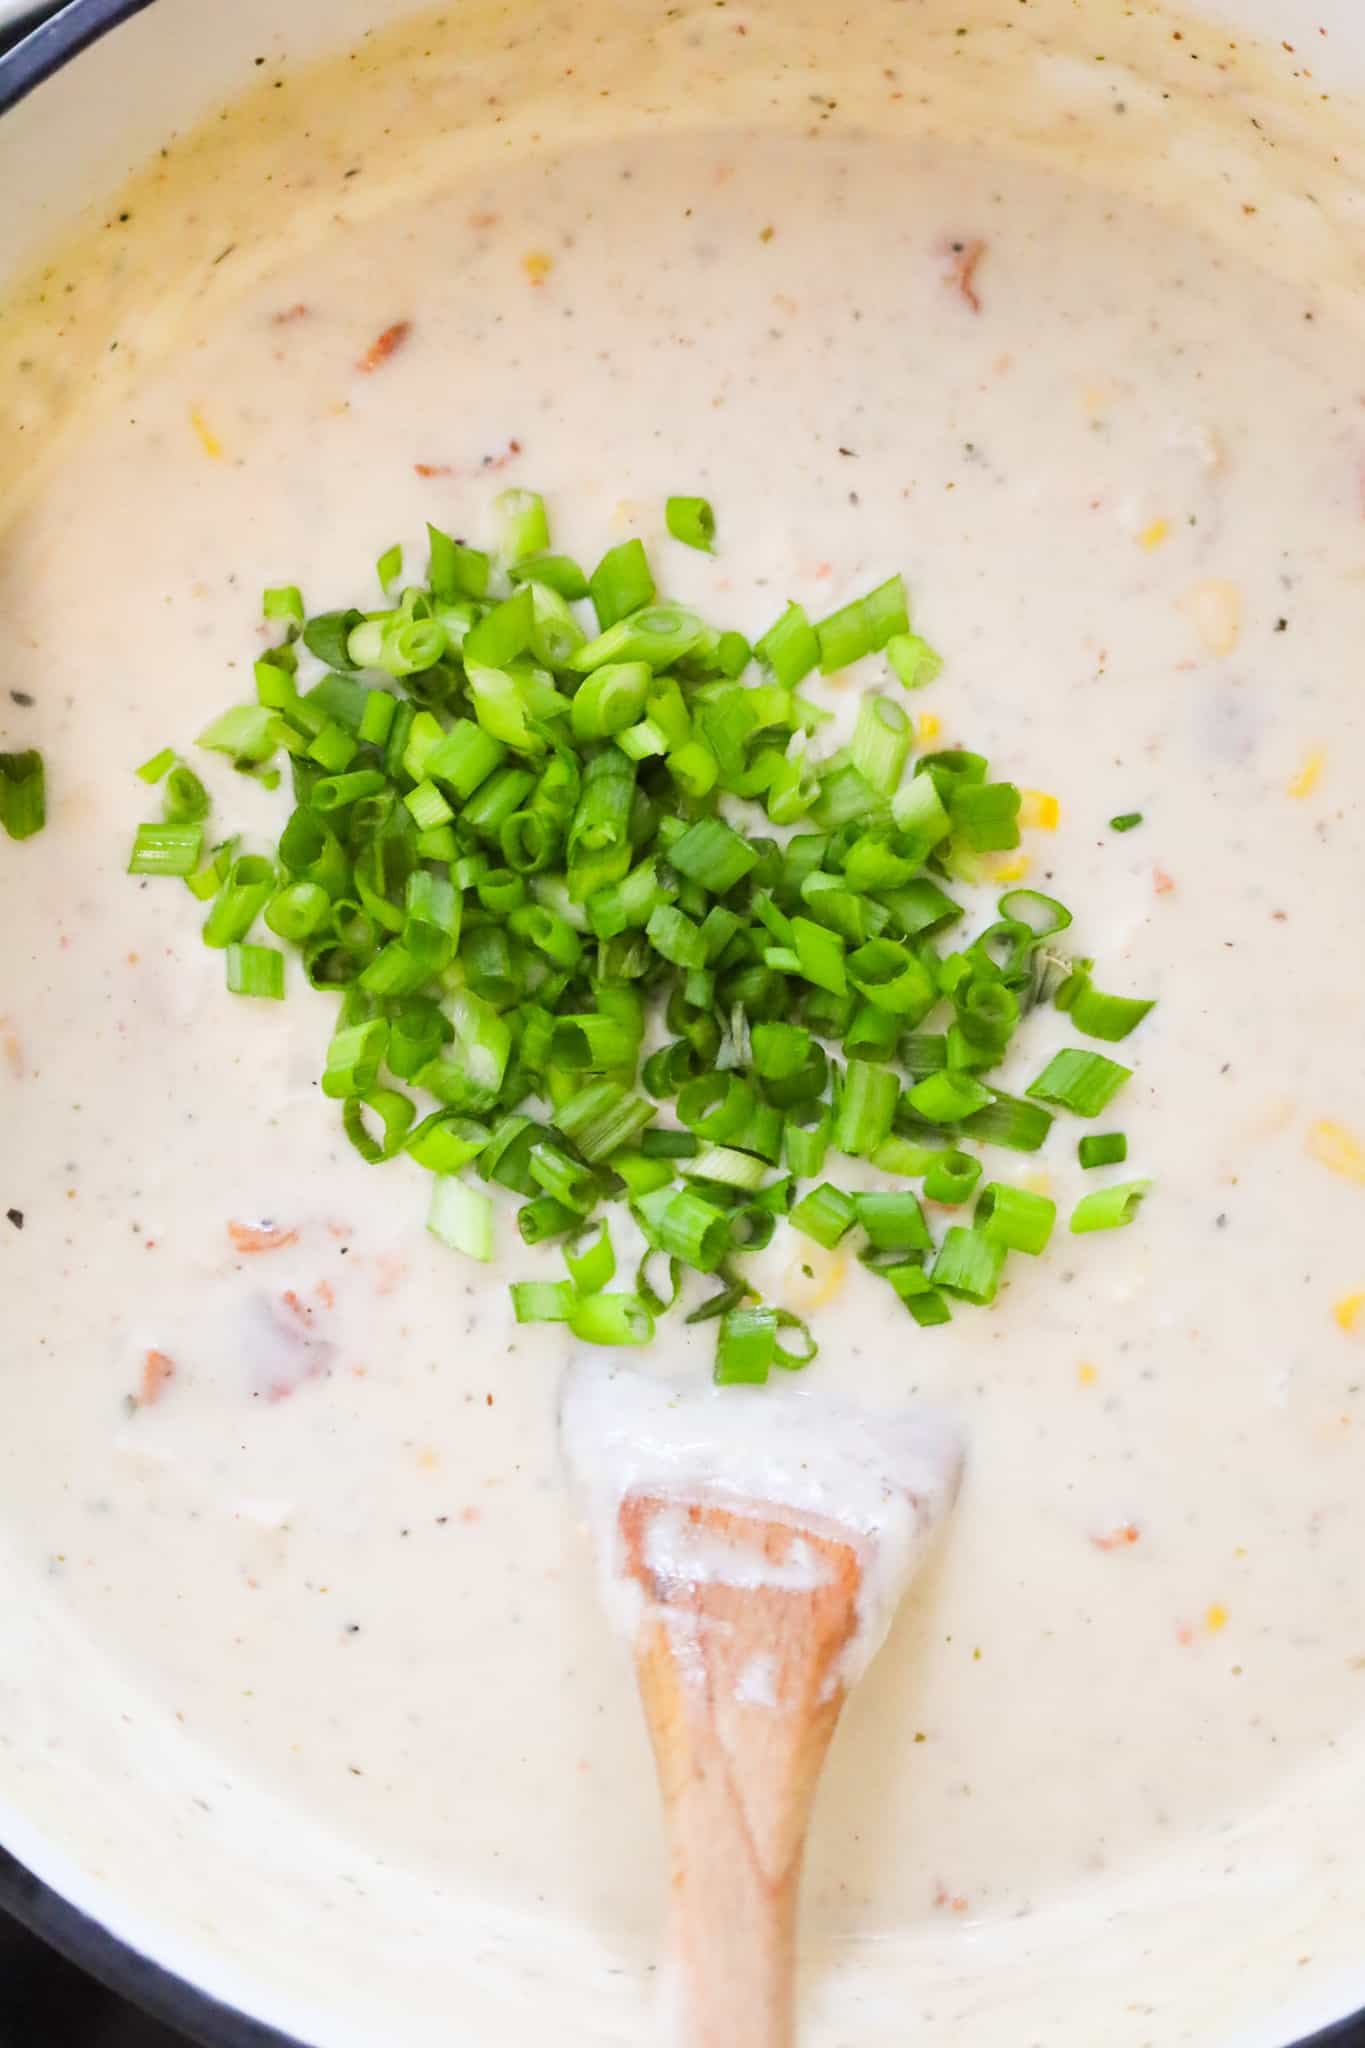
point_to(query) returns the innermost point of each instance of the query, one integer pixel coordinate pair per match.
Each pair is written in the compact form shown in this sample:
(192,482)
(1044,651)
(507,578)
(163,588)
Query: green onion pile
(571,862)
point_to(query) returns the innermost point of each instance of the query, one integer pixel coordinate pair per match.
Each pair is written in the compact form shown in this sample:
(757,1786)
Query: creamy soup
(337,1558)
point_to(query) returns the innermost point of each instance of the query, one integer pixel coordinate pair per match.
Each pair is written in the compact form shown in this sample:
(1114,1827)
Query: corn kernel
(1346,1312)
(1007,867)
(1039,810)
(1336,1148)
(208,440)
(1306,781)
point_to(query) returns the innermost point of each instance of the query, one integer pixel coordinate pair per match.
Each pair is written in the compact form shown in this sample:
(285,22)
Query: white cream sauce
(332,1571)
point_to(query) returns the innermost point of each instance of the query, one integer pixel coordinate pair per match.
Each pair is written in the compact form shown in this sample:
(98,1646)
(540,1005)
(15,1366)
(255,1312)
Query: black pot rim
(120,1967)
(26,1898)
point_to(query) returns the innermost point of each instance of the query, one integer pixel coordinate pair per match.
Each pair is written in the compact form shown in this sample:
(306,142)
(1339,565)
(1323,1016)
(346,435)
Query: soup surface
(1121,465)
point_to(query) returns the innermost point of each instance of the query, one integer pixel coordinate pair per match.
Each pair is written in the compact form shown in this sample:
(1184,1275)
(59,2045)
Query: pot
(107,1825)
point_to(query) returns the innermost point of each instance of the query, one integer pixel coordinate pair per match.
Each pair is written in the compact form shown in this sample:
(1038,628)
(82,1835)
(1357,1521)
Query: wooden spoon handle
(738,1656)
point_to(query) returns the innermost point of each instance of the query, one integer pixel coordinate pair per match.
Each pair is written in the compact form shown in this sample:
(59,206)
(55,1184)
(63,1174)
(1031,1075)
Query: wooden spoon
(753,1608)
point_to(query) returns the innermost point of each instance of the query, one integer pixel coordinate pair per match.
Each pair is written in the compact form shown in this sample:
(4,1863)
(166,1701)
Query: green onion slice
(1081,1081)
(1109,1208)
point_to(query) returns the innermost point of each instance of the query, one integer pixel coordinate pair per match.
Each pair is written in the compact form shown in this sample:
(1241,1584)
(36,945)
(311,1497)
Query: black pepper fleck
(16,1217)
(22,698)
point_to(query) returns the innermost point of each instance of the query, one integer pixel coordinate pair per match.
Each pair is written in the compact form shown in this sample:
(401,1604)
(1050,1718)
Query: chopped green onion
(819,956)
(658,635)
(327,635)
(461,760)
(825,1214)
(780,1051)
(395,1112)
(506,1158)
(805,1144)
(894,978)
(657,1303)
(284,602)
(334,748)
(544,1218)
(863,626)
(611,1319)
(948,1097)
(1125,821)
(522,526)
(461,1217)
(162,849)
(928,1307)
(1108,1148)
(893,1222)
(921,818)
(1010,1121)
(793,1361)
(23,799)
(904,1156)
(255,971)
(610,699)
(428,807)
(244,732)
(867,1105)
(913,661)
(299,910)
(591,1260)
(881,743)
(790,648)
(693,1229)
(559,573)
(572,1184)
(691,521)
(968,1264)
(713,854)
(453,570)
(543,1301)
(1043,915)
(950,1178)
(675,938)
(1081,1081)
(1109,1208)
(621,583)
(1015,1217)
(601,1118)
(985,815)
(376,720)
(444,1142)
(151,770)
(745,1347)
(247,888)
(1099,1016)
(727,1166)
(354,1058)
